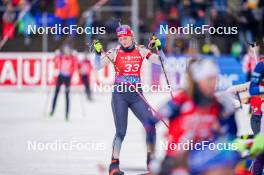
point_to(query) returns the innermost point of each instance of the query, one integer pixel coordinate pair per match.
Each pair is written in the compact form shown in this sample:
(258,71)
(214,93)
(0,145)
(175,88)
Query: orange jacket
(69,10)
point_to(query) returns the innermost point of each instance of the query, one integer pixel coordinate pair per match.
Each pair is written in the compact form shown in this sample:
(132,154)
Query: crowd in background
(247,15)
(64,12)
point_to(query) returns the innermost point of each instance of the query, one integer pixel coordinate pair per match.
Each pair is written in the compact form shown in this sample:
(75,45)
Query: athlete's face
(207,86)
(125,41)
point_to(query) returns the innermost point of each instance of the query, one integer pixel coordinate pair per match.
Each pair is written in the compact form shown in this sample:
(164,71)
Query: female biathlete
(66,63)
(127,59)
(195,115)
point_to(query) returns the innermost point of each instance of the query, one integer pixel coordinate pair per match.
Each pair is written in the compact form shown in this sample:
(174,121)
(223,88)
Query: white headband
(204,69)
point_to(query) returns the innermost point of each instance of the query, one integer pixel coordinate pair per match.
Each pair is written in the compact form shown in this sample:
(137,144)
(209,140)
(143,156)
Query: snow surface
(24,119)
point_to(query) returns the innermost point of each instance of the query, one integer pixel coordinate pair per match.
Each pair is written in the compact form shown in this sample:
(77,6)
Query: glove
(154,43)
(97,46)
(241,145)
(258,145)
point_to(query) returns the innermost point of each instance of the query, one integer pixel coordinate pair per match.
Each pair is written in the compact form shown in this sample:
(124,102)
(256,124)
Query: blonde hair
(190,82)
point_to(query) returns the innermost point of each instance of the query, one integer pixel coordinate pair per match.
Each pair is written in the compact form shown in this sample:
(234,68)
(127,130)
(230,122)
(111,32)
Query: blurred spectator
(66,9)
(85,69)
(24,22)
(249,18)
(111,24)
(248,25)
(1,15)
(200,19)
(261,7)
(117,3)
(91,20)
(234,7)
(236,50)
(198,11)
(66,64)
(66,12)
(143,29)
(8,20)
(13,2)
(218,19)
(173,19)
(142,26)
(210,49)
(42,6)
(249,61)
(96,24)
(252,4)
(88,16)
(159,21)
(185,13)
(220,5)
(165,5)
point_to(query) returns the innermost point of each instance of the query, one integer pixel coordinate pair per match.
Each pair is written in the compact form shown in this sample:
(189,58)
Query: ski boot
(51,114)
(114,168)
(150,157)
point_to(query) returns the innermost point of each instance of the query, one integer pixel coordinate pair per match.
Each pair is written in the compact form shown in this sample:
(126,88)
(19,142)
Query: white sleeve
(146,53)
(231,96)
(154,58)
(226,101)
(245,63)
(104,59)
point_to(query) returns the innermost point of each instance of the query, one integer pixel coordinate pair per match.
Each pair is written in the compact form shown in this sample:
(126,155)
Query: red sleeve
(180,97)
(74,64)
(90,66)
(171,109)
(148,54)
(57,61)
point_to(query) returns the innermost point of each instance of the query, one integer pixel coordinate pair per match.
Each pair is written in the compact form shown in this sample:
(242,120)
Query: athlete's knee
(150,129)
(150,126)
